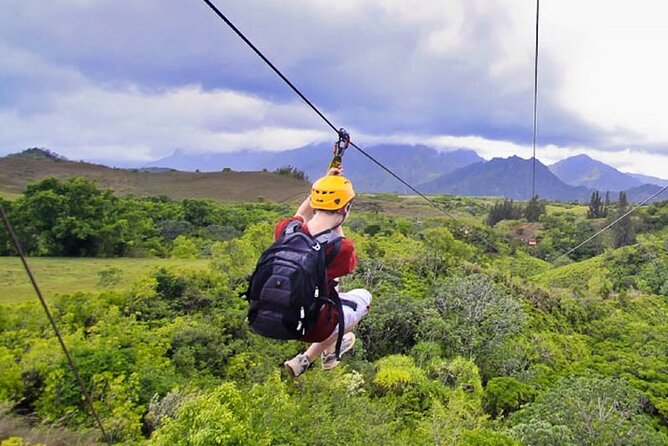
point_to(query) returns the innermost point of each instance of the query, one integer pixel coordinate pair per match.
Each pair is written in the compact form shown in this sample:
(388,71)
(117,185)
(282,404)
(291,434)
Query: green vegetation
(462,346)
(291,171)
(61,275)
(597,207)
(10,196)
(77,219)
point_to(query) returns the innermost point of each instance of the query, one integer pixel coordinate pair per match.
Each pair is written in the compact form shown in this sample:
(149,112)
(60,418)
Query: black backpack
(289,285)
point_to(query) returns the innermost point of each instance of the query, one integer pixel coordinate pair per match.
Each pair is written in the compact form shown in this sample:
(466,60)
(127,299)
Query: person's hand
(335,171)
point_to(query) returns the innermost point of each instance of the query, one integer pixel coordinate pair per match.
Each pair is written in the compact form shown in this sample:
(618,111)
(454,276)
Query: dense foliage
(461,346)
(76,218)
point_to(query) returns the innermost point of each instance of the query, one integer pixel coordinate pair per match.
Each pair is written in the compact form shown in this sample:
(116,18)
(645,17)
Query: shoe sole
(289,370)
(348,348)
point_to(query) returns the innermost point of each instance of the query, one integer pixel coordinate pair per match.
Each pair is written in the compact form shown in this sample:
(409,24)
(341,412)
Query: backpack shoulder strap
(328,238)
(336,247)
(292,227)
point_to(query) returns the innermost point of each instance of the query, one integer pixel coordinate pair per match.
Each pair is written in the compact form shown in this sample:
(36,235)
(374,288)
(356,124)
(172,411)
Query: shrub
(474,316)
(291,171)
(587,410)
(506,394)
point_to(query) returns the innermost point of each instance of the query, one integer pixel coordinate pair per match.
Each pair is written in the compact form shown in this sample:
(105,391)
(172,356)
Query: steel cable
(89,401)
(259,53)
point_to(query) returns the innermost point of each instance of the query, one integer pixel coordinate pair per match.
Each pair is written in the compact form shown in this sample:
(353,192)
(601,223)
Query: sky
(132,81)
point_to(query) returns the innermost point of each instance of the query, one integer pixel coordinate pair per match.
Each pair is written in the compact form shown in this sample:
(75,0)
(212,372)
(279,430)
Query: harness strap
(341,324)
(349,303)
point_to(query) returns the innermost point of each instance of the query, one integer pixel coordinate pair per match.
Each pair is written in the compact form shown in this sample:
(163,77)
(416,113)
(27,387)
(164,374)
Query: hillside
(16,171)
(170,356)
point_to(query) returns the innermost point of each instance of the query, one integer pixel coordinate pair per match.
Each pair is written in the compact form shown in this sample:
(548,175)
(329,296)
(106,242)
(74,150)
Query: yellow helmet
(331,193)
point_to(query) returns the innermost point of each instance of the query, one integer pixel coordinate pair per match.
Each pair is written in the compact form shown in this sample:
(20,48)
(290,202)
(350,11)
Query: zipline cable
(15,241)
(626,214)
(535,105)
(268,62)
(429,200)
(533,159)
(259,53)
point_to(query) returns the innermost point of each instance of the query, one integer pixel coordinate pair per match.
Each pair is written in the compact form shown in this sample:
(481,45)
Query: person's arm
(305,211)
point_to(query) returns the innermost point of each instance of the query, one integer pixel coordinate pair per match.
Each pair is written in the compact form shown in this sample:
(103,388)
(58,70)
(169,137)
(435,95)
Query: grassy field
(576,209)
(67,275)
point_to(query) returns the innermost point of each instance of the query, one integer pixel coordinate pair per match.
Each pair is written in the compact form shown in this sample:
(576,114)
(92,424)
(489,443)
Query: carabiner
(340,147)
(344,141)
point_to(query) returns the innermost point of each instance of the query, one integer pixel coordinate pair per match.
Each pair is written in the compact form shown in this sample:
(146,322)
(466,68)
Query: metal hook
(343,142)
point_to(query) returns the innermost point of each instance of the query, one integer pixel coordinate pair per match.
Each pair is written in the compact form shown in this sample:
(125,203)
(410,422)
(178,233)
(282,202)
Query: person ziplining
(293,293)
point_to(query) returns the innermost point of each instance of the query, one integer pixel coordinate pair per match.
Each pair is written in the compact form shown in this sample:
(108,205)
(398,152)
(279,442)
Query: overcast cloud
(135,80)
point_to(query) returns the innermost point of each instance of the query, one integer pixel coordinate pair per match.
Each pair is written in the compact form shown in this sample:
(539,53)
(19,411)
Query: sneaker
(297,365)
(329,360)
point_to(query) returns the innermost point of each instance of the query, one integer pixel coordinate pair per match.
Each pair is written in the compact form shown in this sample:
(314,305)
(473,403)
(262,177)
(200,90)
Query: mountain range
(506,177)
(581,170)
(457,172)
(415,164)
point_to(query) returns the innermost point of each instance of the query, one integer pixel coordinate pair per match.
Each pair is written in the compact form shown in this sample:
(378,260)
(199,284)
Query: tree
(534,209)
(506,394)
(475,316)
(291,171)
(587,410)
(197,212)
(624,231)
(596,207)
(507,210)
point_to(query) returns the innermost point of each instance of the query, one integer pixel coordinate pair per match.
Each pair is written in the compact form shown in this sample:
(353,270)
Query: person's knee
(363,295)
(367,296)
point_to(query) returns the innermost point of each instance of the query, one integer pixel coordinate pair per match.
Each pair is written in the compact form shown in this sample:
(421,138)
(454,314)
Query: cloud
(385,66)
(614,77)
(139,79)
(131,124)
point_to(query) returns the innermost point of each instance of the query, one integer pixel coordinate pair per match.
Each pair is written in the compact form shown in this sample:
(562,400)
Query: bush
(392,325)
(587,410)
(474,317)
(291,171)
(504,395)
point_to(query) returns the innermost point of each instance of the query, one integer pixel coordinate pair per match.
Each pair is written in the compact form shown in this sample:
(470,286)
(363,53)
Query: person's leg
(302,361)
(352,317)
(317,348)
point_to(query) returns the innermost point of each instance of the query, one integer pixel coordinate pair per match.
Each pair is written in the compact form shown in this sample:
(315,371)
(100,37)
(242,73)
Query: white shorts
(352,317)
